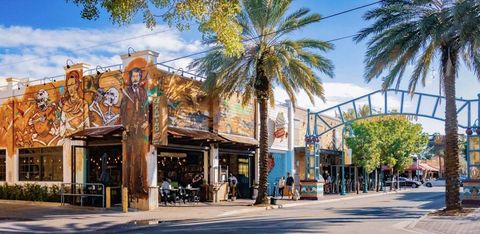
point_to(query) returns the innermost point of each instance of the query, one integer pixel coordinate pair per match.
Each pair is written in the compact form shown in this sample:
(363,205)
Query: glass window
(243,166)
(3,165)
(41,164)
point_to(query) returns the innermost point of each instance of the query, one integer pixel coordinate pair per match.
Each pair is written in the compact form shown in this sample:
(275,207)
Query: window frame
(40,154)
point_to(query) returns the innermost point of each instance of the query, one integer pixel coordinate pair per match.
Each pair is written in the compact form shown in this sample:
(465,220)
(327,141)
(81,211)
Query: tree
(269,59)
(388,141)
(414,31)
(213,16)
(364,145)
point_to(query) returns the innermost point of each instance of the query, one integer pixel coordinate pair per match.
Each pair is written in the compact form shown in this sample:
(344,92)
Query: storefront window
(41,164)
(182,168)
(243,166)
(3,166)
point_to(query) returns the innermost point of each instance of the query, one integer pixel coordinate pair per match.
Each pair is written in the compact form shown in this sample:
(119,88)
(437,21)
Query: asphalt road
(379,214)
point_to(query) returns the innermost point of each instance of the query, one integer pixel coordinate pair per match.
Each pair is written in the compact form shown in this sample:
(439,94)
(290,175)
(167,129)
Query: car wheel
(428,185)
(414,185)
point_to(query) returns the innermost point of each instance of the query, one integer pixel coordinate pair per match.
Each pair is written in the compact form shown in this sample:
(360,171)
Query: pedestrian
(281,186)
(290,185)
(232,182)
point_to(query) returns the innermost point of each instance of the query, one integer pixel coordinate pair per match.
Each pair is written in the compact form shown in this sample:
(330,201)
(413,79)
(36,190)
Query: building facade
(133,126)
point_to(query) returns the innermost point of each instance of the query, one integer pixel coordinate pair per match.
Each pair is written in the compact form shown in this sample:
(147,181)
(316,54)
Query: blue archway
(391,102)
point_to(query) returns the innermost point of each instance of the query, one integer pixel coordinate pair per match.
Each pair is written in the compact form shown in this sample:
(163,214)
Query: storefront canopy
(239,139)
(421,167)
(97,131)
(195,134)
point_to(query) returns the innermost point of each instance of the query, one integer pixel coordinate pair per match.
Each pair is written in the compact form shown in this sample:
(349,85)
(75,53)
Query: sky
(38,36)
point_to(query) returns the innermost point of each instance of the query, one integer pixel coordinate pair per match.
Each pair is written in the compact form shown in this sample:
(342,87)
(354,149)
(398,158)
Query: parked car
(404,182)
(435,183)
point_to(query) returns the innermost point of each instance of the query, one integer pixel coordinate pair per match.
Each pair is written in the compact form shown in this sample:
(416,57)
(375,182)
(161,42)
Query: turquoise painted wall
(283,164)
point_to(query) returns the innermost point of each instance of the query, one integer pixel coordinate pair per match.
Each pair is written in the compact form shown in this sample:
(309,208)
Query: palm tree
(269,59)
(415,31)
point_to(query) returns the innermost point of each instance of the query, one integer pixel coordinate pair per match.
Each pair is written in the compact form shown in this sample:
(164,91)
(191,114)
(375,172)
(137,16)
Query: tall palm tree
(415,31)
(270,59)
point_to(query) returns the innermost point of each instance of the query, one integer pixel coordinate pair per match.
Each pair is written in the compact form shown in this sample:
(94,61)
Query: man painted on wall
(74,115)
(134,118)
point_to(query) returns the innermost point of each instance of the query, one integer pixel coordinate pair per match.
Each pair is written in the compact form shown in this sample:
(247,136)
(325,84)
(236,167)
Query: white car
(435,183)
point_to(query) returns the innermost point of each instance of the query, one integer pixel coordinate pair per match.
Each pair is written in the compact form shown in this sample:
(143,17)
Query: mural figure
(43,124)
(108,98)
(75,110)
(135,120)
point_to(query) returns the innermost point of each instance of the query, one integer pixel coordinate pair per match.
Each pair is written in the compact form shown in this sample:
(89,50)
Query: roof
(193,133)
(97,131)
(239,139)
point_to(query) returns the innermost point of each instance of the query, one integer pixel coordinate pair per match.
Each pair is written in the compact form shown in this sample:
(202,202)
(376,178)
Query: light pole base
(311,189)
(470,196)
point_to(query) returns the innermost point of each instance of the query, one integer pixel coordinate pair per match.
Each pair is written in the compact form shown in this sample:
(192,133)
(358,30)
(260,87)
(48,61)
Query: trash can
(273,201)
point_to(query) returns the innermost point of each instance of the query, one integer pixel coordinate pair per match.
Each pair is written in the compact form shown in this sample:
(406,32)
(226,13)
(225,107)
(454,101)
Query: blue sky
(53,30)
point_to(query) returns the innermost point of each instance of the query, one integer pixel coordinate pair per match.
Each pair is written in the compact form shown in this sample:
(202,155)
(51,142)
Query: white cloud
(45,51)
(336,93)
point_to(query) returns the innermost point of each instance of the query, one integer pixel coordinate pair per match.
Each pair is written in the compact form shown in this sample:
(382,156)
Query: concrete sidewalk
(21,216)
(469,224)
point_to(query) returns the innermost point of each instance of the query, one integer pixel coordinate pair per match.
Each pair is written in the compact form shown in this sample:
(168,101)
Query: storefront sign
(159,121)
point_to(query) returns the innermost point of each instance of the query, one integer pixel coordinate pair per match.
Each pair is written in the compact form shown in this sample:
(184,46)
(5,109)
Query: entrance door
(104,165)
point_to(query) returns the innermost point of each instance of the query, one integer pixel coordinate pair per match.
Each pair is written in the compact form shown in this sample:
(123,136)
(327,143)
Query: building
(132,125)
(281,143)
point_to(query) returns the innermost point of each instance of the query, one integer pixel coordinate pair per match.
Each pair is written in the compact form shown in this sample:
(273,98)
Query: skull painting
(41,98)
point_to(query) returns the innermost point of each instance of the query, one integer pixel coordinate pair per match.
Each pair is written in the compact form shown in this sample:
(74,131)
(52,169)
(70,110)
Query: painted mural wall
(235,118)
(278,127)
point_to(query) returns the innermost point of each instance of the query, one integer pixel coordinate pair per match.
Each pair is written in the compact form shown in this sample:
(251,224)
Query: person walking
(290,185)
(233,185)
(281,186)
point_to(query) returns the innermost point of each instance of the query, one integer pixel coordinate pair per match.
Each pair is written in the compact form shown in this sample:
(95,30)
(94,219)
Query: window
(3,165)
(243,166)
(41,164)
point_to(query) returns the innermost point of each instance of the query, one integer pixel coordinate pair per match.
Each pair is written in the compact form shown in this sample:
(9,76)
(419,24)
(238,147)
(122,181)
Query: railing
(82,190)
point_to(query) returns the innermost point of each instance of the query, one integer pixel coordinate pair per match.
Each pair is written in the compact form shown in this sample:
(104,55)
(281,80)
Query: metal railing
(82,190)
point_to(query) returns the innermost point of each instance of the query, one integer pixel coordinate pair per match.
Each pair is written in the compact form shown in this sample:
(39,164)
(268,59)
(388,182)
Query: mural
(235,118)
(104,92)
(134,118)
(188,105)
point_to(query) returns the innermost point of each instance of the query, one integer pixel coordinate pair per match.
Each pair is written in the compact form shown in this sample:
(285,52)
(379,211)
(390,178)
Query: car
(435,183)
(404,182)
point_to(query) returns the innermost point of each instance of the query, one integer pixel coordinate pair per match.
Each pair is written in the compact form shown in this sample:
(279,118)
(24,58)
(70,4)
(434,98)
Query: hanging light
(68,65)
(130,49)
(469,131)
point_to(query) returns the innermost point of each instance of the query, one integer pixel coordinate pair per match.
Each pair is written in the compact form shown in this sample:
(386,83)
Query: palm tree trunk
(452,196)
(262,189)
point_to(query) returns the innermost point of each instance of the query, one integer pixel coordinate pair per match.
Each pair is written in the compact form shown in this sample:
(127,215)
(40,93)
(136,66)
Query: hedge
(30,192)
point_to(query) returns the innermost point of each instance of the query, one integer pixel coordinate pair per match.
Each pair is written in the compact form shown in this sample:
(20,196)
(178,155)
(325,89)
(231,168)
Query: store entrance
(241,167)
(104,165)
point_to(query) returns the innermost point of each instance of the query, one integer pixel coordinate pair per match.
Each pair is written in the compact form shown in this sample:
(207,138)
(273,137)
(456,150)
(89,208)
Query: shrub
(30,192)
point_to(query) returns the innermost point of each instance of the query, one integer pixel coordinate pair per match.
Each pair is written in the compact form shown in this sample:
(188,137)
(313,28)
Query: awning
(239,139)
(421,167)
(97,131)
(196,134)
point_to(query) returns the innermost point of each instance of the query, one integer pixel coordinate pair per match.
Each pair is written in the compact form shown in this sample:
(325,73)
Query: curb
(306,203)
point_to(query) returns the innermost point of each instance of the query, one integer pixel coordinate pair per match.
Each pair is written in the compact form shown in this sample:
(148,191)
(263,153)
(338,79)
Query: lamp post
(347,125)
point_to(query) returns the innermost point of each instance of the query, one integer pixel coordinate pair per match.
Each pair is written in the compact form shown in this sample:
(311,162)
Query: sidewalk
(469,224)
(22,216)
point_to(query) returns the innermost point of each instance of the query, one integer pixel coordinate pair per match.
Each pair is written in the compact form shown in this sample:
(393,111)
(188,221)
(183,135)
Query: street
(378,214)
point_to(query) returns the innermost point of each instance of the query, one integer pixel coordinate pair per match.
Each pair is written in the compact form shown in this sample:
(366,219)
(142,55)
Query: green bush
(30,192)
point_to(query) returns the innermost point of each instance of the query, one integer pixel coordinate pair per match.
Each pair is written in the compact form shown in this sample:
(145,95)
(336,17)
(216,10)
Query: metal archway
(391,102)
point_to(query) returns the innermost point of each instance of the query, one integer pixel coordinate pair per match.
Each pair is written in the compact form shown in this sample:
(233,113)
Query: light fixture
(133,51)
(68,65)
(99,68)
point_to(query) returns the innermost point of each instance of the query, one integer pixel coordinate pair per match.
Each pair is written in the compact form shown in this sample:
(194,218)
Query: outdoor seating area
(179,195)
